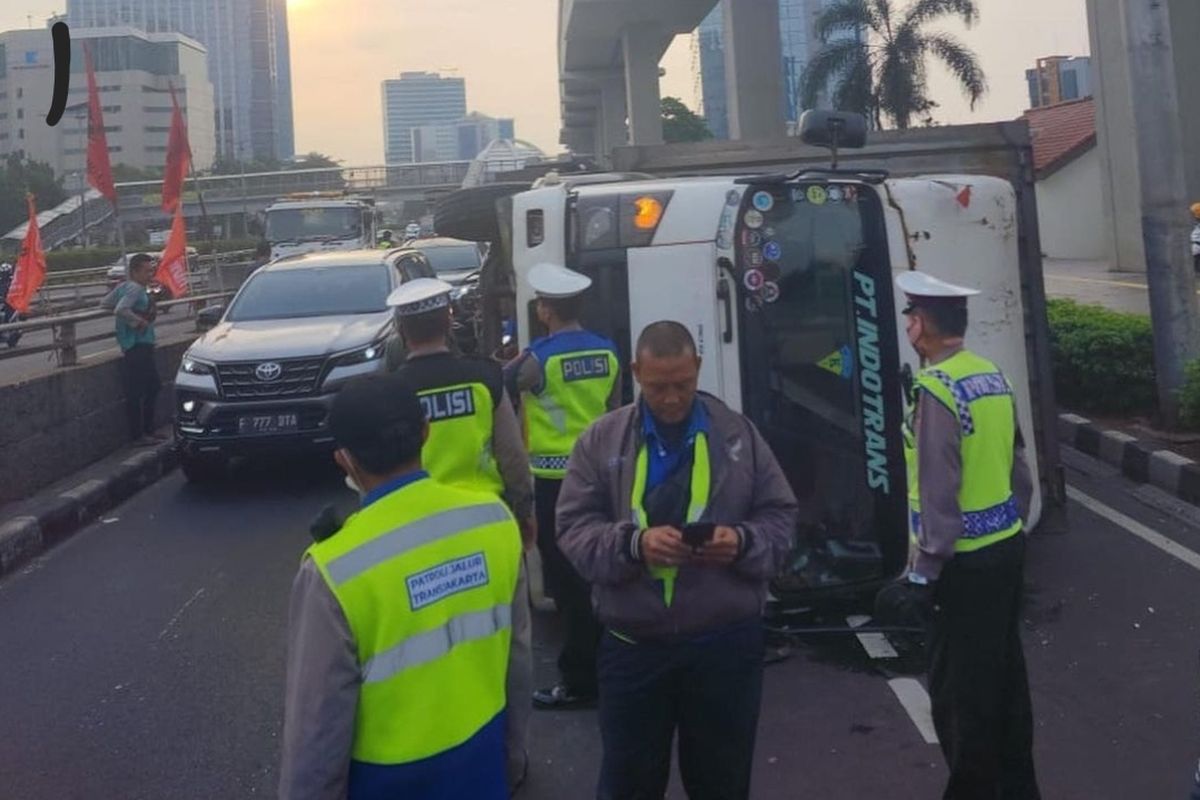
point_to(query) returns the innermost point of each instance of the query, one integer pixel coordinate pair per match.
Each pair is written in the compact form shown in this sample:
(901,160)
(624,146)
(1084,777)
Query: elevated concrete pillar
(611,131)
(642,47)
(753,69)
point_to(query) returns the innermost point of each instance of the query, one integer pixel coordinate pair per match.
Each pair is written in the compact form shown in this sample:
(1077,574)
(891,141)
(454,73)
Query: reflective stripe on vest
(458,451)
(575,391)
(977,393)
(425,577)
(700,486)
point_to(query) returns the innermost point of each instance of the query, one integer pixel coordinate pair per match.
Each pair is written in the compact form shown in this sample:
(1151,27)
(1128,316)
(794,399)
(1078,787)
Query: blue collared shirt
(661,460)
(384,489)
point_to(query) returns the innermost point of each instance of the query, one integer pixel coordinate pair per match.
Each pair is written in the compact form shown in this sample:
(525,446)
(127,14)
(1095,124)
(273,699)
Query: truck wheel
(202,469)
(470,214)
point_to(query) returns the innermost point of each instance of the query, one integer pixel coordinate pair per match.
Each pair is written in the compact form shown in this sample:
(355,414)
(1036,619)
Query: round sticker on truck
(753,280)
(817,195)
(753,218)
(770,291)
(763,201)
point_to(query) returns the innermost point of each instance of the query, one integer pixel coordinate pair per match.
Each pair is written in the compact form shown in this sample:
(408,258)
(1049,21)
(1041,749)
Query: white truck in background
(311,222)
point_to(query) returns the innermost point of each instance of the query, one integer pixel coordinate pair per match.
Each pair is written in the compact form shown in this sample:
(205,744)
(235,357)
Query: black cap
(369,406)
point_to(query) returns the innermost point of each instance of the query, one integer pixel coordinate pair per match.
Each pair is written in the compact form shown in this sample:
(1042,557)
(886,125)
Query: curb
(55,517)
(1175,474)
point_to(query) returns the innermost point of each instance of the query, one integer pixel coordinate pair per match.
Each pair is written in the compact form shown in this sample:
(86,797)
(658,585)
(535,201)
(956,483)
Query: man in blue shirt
(135,313)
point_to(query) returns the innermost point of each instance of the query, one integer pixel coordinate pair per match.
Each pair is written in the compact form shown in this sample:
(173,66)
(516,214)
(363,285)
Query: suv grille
(297,377)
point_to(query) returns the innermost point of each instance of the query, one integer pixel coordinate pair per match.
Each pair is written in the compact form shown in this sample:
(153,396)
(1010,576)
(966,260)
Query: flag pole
(205,223)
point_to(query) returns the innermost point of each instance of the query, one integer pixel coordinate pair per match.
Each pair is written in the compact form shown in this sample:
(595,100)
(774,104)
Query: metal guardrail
(64,296)
(65,343)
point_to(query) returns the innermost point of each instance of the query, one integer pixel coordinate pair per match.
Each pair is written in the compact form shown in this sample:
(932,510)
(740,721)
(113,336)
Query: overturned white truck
(786,282)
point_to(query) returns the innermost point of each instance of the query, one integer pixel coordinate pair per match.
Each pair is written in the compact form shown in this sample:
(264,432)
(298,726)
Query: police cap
(419,296)
(555,282)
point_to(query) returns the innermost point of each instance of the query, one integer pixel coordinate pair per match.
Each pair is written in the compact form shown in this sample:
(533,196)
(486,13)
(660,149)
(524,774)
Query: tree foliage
(19,176)
(875,59)
(681,124)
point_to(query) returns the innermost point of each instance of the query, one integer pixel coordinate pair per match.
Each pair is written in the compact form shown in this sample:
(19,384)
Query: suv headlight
(193,367)
(372,352)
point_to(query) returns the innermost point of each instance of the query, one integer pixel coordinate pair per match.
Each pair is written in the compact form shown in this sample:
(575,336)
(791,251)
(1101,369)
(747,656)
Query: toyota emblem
(268,371)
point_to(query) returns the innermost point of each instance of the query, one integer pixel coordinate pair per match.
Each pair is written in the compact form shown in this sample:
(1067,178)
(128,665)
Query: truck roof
(318,203)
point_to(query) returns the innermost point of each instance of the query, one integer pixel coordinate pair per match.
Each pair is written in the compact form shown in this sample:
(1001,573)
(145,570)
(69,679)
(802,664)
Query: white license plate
(268,423)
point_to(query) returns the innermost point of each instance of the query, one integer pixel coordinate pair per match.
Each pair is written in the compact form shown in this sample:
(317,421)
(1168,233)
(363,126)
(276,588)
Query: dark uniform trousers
(977,680)
(577,660)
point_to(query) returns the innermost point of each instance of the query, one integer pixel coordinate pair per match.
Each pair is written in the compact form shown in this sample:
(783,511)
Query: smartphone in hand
(696,534)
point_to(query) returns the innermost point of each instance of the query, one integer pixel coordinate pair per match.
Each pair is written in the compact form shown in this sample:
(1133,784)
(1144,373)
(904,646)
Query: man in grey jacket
(676,512)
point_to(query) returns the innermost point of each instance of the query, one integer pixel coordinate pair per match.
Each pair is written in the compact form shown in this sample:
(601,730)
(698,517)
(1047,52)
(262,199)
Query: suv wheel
(202,468)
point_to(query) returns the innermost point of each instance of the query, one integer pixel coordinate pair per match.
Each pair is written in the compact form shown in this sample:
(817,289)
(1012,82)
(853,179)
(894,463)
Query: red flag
(31,265)
(179,155)
(99,170)
(172,269)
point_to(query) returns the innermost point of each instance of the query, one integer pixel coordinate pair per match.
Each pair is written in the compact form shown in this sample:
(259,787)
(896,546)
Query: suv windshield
(300,224)
(314,292)
(452,258)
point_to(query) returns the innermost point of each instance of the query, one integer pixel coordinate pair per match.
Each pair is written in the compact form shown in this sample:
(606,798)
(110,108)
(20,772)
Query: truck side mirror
(833,130)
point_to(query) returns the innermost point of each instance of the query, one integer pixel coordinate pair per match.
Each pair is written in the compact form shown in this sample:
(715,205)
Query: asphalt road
(15,367)
(144,659)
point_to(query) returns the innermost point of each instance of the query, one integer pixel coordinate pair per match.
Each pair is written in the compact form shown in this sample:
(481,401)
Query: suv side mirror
(208,317)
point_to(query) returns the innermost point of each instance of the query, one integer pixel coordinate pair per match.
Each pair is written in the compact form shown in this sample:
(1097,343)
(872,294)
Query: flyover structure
(609,51)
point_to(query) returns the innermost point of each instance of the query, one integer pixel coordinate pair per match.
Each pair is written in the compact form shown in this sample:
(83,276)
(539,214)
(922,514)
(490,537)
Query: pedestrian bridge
(141,201)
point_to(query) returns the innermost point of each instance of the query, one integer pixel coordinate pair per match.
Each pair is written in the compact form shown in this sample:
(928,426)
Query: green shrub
(1189,396)
(1103,360)
(57,260)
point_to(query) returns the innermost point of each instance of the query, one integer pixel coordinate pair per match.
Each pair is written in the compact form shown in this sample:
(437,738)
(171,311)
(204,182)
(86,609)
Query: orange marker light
(648,213)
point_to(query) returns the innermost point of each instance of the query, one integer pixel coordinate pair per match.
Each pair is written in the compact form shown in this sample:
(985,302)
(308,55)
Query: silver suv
(264,377)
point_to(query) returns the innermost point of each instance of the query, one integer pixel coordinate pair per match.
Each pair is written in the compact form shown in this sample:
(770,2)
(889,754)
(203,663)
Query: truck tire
(202,469)
(470,214)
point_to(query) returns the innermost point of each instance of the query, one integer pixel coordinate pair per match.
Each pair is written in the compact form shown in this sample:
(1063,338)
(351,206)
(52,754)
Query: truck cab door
(679,282)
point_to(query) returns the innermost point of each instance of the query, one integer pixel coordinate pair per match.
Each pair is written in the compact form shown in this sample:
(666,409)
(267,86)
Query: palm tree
(883,74)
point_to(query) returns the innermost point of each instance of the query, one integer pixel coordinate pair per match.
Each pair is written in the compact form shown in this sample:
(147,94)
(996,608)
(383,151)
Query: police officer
(969,489)
(384,240)
(475,443)
(400,623)
(566,380)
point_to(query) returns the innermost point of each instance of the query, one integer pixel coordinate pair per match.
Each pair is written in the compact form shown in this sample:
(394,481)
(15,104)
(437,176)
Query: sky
(507,52)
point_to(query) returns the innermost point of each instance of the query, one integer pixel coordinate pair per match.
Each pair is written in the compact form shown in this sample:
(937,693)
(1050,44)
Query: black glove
(326,524)
(905,604)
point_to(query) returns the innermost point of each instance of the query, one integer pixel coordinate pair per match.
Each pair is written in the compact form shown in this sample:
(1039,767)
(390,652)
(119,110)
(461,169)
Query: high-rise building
(1057,79)
(461,140)
(798,43)
(134,74)
(413,100)
(248,62)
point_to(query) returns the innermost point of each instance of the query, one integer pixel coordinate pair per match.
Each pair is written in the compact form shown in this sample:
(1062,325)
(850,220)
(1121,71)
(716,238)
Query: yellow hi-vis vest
(701,486)
(458,451)
(574,394)
(981,399)
(426,577)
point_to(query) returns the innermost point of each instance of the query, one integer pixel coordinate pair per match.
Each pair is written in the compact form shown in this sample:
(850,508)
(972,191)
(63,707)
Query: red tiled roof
(1061,133)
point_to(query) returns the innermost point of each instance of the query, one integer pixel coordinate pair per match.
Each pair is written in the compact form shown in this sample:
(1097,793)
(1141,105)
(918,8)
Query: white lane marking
(1146,534)
(876,644)
(179,613)
(915,699)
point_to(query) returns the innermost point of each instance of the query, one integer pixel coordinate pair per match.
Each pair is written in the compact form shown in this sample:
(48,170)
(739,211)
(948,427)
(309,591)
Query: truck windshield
(307,224)
(312,292)
(820,373)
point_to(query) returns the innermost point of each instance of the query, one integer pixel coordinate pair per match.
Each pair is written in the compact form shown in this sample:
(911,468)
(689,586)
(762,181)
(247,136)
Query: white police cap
(554,281)
(420,295)
(918,284)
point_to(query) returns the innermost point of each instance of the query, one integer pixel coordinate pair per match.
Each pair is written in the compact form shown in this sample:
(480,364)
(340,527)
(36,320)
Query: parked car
(263,378)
